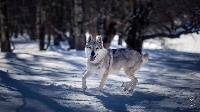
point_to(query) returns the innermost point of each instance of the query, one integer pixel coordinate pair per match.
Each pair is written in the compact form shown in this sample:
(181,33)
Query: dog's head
(94,49)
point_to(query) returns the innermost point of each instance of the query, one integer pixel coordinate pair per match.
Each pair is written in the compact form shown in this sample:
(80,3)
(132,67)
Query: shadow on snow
(178,62)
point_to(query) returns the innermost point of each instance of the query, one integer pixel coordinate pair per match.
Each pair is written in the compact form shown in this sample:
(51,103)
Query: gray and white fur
(106,61)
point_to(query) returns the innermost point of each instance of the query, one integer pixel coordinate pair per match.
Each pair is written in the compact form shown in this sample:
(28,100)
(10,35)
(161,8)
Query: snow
(186,43)
(50,81)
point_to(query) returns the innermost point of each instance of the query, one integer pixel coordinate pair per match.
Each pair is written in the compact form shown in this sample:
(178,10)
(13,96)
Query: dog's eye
(89,47)
(97,48)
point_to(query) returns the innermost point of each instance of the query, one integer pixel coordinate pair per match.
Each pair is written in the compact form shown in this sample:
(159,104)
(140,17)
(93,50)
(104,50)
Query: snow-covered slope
(186,43)
(50,81)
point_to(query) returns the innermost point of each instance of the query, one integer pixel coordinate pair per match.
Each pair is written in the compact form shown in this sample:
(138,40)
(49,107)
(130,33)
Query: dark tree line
(137,20)
(133,20)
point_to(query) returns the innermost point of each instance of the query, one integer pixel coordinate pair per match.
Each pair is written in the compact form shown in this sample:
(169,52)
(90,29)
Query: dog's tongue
(92,58)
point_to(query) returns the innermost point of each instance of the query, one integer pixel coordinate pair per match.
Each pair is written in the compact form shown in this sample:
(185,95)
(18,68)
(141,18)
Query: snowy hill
(50,81)
(186,43)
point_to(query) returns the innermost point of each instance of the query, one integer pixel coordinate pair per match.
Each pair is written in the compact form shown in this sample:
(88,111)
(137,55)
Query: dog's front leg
(86,75)
(103,81)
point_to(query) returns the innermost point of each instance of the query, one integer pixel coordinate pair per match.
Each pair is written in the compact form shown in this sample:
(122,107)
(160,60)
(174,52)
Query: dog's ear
(90,38)
(99,39)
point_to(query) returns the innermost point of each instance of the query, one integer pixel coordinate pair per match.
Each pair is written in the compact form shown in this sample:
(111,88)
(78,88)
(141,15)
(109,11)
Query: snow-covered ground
(50,81)
(186,43)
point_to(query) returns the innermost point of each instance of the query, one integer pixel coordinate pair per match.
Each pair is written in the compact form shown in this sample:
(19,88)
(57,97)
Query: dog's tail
(145,58)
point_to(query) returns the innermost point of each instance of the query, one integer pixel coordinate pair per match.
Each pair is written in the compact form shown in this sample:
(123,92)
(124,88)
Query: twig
(60,33)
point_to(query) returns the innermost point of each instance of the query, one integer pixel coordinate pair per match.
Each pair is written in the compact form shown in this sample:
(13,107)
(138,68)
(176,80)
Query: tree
(5,38)
(137,20)
(140,20)
(62,22)
(78,25)
(132,20)
(171,19)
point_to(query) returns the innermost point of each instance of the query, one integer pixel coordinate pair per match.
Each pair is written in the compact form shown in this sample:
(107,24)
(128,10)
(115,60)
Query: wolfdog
(105,61)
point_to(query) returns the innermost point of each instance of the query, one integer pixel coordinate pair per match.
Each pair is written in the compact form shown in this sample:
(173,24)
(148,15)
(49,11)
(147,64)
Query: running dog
(105,61)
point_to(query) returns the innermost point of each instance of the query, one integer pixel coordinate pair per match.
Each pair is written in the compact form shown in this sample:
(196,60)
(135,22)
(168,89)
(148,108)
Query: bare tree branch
(60,33)
(93,20)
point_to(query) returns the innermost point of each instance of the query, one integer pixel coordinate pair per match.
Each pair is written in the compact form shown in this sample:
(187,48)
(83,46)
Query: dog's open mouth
(92,58)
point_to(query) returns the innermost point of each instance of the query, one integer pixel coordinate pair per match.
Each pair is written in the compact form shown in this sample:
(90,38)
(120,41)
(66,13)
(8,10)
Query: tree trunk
(71,40)
(38,21)
(48,27)
(5,39)
(40,26)
(41,38)
(100,26)
(134,40)
(110,32)
(139,22)
(78,25)
(32,33)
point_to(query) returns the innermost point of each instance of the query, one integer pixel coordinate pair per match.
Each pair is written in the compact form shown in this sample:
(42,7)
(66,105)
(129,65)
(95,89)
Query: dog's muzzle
(92,58)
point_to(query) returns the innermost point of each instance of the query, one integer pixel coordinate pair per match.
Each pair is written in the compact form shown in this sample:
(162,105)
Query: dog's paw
(125,89)
(84,88)
(122,84)
(130,91)
(100,90)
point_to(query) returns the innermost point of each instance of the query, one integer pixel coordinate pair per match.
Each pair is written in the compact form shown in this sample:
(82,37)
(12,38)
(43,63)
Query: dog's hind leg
(103,81)
(86,75)
(133,81)
(128,86)
(131,84)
